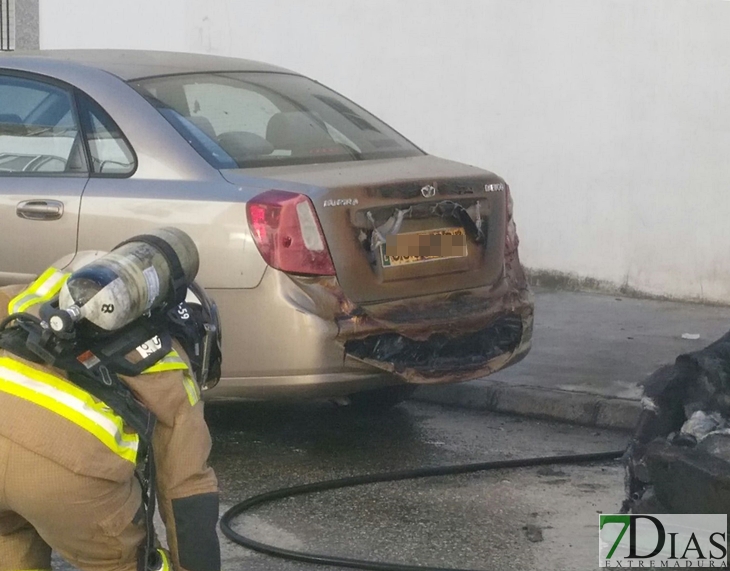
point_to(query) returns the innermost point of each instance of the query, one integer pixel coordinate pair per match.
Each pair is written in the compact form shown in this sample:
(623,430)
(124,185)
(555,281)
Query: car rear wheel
(382,399)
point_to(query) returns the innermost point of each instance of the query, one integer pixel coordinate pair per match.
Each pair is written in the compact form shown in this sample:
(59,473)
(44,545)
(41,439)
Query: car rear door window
(39,132)
(108,148)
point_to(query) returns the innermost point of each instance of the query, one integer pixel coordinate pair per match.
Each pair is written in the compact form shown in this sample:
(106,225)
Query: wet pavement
(540,518)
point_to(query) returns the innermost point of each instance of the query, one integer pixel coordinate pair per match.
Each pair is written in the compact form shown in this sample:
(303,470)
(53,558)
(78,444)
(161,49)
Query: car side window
(39,132)
(109,150)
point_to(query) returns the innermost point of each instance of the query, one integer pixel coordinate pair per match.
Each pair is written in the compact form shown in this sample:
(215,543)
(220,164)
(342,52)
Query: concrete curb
(551,404)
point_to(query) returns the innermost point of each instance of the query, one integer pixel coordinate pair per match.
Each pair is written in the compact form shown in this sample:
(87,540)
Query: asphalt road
(541,518)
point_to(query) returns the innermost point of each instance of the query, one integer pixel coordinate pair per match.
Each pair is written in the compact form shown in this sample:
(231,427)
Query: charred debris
(679,458)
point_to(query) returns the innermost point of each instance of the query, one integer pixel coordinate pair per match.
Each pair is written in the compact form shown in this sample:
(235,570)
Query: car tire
(382,399)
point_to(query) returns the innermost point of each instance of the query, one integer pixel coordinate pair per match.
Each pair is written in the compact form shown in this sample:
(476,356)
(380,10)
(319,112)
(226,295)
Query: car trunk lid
(420,200)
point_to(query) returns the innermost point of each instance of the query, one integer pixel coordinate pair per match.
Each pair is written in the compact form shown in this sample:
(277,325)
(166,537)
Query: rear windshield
(238,120)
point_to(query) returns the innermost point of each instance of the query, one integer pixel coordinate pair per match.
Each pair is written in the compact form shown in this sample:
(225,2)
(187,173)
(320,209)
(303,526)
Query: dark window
(267,119)
(109,150)
(39,133)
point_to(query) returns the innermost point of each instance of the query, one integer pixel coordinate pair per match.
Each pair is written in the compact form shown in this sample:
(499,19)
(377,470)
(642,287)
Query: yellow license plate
(416,247)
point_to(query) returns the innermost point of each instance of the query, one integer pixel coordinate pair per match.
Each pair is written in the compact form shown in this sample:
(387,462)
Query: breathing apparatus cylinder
(139,275)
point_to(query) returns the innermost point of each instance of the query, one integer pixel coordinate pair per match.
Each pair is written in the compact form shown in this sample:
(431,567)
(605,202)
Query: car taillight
(287,233)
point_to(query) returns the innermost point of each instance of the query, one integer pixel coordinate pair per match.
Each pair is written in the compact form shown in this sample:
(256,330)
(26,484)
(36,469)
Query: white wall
(610,119)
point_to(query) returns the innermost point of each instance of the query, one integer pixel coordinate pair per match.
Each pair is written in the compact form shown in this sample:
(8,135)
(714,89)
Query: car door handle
(40,209)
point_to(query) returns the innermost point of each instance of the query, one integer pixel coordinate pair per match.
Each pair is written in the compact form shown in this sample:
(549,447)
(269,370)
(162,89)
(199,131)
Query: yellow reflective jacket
(44,412)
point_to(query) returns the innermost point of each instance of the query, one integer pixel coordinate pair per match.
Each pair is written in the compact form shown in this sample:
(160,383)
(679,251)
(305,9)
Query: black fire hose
(319,559)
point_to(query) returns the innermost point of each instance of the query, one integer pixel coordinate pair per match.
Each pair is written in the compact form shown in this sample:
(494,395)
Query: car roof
(136,64)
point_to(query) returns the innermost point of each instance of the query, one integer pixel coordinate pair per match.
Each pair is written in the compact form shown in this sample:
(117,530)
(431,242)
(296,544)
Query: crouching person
(68,461)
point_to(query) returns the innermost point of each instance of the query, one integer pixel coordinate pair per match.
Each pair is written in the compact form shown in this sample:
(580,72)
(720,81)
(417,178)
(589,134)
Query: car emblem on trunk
(428,191)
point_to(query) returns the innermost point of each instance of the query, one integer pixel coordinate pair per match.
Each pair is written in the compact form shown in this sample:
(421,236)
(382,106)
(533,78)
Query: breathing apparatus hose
(320,559)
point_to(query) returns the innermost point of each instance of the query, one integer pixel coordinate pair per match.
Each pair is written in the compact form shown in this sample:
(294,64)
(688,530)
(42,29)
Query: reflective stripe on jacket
(170,362)
(174,362)
(45,288)
(69,401)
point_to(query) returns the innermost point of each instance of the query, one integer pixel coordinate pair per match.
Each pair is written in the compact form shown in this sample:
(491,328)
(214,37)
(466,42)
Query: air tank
(121,286)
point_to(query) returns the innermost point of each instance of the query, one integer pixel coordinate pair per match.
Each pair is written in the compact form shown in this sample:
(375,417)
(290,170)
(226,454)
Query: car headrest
(296,130)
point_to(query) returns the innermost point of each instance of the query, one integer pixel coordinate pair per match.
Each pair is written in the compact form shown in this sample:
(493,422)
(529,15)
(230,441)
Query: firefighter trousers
(94,524)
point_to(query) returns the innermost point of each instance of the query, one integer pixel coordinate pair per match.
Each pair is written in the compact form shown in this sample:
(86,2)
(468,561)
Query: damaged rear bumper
(440,354)
(443,358)
(444,338)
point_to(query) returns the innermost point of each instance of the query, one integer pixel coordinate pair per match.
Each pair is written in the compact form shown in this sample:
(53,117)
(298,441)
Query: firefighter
(67,461)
